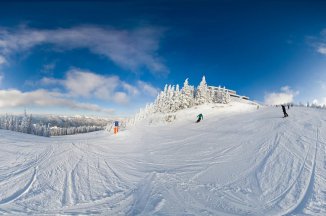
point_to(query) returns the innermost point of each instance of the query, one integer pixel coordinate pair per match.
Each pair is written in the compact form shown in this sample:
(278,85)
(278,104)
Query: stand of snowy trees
(172,99)
(312,105)
(25,125)
(58,131)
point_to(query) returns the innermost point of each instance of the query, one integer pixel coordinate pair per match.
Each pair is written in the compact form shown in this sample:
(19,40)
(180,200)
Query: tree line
(25,124)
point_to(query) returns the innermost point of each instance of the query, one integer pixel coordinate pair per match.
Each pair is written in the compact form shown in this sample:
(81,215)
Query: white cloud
(286,95)
(48,81)
(1,78)
(120,97)
(130,89)
(2,59)
(15,98)
(286,89)
(48,68)
(319,42)
(322,84)
(147,88)
(322,50)
(87,84)
(130,49)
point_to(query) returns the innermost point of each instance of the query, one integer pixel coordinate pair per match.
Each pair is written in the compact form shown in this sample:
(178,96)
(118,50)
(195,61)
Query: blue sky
(112,57)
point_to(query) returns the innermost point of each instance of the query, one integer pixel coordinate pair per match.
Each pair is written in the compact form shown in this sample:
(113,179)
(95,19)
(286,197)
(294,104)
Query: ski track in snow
(249,163)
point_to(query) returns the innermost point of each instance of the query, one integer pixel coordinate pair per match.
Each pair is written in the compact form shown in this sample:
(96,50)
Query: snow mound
(189,115)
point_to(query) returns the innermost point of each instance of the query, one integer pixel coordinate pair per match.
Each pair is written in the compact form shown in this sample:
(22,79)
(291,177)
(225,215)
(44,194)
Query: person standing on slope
(284,111)
(200,117)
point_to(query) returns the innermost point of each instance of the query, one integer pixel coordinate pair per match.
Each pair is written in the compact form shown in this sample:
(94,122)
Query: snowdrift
(189,115)
(237,161)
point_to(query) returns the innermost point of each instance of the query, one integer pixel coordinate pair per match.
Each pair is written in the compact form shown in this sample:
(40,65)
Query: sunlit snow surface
(238,161)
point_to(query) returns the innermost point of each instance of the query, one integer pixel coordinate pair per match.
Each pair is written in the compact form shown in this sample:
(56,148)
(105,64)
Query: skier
(116,127)
(284,111)
(288,106)
(200,117)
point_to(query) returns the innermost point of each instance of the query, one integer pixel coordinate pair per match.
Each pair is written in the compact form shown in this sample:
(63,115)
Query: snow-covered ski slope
(238,161)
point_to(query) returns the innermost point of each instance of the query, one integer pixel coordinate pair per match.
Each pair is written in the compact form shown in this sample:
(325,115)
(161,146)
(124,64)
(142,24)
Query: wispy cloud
(80,83)
(130,49)
(319,42)
(322,49)
(1,78)
(77,85)
(147,88)
(85,84)
(2,60)
(48,68)
(43,98)
(285,95)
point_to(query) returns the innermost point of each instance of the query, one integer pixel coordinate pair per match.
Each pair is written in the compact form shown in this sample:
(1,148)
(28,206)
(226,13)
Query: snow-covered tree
(225,96)
(24,123)
(176,99)
(202,95)
(187,95)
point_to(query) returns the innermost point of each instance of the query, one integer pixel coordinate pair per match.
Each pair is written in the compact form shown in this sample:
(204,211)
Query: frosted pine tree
(221,95)
(11,123)
(29,124)
(167,100)
(24,124)
(210,96)
(227,97)
(171,101)
(218,96)
(17,125)
(177,99)
(160,104)
(187,97)
(202,92)
(157,102)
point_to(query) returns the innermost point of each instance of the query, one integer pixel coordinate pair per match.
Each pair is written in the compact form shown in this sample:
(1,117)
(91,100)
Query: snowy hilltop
(172,99)
(239,160)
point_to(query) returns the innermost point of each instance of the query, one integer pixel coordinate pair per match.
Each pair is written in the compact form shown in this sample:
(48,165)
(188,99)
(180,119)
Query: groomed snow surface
(237,161)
